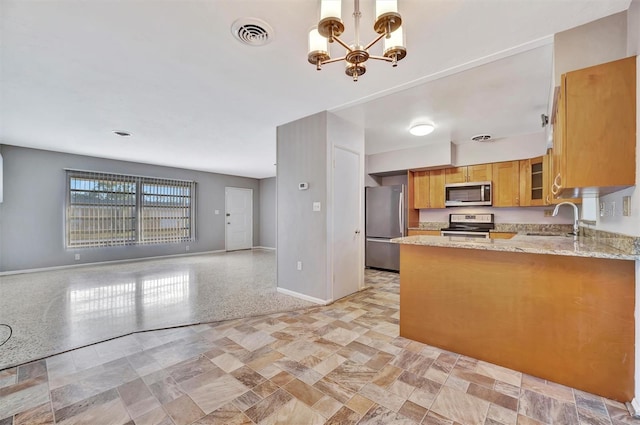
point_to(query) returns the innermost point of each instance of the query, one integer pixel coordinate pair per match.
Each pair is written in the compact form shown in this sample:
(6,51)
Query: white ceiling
(170,72)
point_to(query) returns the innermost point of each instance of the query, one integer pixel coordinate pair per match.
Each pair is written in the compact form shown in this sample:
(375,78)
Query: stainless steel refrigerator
(385,208)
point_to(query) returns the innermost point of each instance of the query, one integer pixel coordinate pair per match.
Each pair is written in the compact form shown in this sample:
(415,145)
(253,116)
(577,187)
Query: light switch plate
(317,206)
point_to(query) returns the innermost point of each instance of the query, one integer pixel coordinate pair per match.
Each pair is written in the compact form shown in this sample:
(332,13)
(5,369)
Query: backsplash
(502,215)
(624,243)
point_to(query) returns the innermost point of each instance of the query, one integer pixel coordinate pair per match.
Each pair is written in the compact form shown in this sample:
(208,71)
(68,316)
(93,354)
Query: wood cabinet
(595,130)
(428,189)
(470,173)
(506,184)
(436,188)
(534,185)
(501,235)
(415,232)
(420,189)
(581,310)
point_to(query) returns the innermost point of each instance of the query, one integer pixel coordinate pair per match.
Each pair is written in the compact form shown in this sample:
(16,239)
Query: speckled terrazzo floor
(54,311)
(343,364)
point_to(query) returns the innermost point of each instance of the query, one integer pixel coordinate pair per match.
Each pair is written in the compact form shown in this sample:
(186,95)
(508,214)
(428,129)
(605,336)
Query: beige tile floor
(341,364)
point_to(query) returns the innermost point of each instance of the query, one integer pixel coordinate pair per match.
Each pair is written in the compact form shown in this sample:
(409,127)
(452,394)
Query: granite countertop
(551,244)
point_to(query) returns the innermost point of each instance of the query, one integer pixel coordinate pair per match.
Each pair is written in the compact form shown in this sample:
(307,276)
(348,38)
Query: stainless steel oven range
(469,226)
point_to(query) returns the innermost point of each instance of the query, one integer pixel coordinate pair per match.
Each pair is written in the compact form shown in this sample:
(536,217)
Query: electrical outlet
(548,213)
(77,257)
(299,265)
(187,247)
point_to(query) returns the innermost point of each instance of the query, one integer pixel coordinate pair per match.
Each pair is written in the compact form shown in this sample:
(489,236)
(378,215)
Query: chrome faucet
(575,215)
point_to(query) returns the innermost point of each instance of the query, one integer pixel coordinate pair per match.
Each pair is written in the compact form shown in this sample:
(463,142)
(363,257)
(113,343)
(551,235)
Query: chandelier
(330,27)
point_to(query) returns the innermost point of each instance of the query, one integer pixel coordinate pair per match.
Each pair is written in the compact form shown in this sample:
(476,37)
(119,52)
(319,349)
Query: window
(112,209)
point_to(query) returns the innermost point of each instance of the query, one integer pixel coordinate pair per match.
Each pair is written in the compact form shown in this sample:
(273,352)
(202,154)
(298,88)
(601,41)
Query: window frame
(188,207)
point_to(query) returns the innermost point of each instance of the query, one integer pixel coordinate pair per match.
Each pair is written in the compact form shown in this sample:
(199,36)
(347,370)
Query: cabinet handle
(558,181)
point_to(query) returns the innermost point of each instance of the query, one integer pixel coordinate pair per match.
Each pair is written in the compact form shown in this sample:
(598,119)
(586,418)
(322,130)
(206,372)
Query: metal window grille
(113,209)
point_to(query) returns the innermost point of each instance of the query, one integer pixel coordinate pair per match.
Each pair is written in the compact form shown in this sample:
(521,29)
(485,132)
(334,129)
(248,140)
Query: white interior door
(347,223)
(238,218)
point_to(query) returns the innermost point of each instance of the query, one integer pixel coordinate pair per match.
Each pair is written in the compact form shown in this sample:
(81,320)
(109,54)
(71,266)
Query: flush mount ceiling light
(421,129)
(388,25)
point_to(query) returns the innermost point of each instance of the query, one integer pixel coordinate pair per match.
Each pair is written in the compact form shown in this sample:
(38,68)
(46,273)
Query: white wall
(499,150)
(448,154)
(597,42)
(435,155)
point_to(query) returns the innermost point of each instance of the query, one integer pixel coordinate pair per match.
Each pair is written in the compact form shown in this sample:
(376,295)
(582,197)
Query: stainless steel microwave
(463,194)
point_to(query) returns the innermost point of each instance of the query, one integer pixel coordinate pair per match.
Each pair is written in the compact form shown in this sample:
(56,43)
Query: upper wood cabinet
(428,189)
(420,189)
(534,186)
(470,173)
(595,130)
(506,184)
(436,188)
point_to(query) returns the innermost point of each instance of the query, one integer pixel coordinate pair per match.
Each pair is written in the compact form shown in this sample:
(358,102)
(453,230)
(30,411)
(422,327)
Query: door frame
(227,189)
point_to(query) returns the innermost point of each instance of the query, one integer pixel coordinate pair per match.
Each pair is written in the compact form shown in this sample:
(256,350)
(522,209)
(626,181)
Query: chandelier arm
(334,60)
(374,41)
(342,43)
(381,58)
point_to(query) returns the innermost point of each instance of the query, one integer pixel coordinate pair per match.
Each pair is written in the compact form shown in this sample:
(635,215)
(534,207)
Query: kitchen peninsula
(548,306)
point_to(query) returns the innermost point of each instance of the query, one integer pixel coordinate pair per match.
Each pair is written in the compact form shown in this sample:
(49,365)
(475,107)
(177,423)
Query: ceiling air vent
(482,138)
(252,31)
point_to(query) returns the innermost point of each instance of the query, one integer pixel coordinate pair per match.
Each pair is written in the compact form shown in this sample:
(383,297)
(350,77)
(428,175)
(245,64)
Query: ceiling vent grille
(482,138)
(252,31)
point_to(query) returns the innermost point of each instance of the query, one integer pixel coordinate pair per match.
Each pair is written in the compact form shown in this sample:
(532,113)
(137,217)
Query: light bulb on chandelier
(330,27)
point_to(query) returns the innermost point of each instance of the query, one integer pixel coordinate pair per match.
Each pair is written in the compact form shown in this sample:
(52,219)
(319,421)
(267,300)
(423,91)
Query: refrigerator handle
(400,215)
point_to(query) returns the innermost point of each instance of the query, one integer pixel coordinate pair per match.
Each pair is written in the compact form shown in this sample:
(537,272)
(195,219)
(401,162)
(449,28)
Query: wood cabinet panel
(469,173)
(414,232)
(595,130)
(566,319)
(436,188)
(421,189)
(456,175)
(506,184)
(501,235)
(533,178)
(479,173)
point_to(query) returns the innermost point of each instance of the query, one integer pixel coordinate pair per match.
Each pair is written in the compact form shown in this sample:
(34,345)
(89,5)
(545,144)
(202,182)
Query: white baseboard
(634,408)
(264,247)
(303,296)
(98,263)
